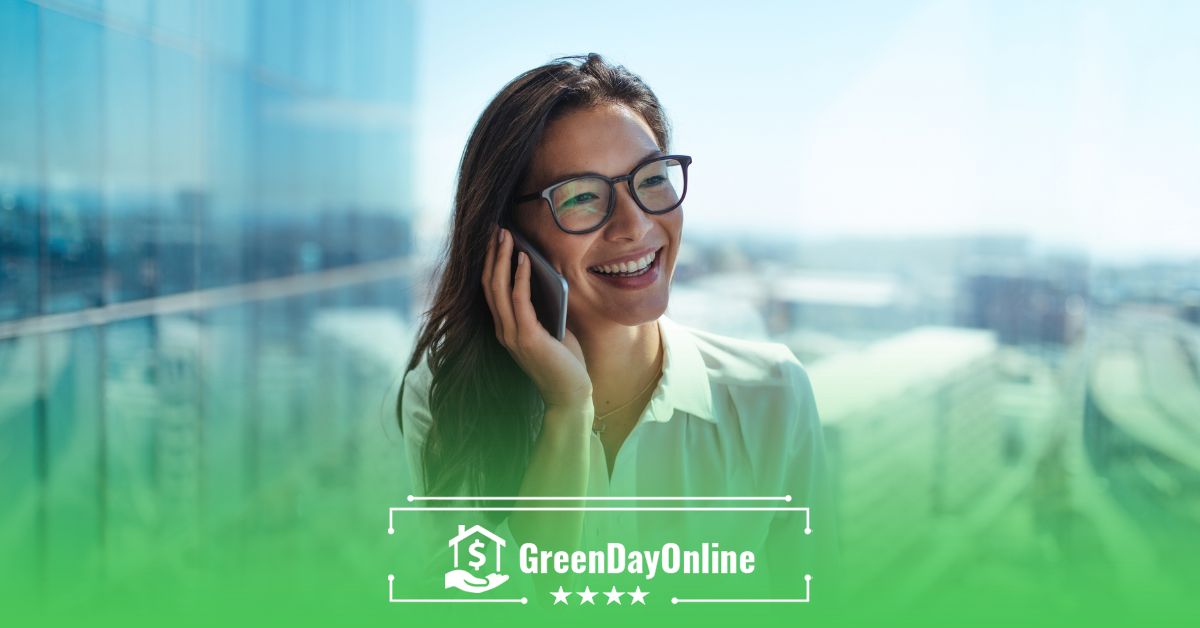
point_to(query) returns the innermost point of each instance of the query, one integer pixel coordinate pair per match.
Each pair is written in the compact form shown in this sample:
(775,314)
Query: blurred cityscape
(1005,392)
(209,288)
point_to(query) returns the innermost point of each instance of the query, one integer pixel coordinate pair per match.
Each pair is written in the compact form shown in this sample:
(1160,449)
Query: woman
(629,403)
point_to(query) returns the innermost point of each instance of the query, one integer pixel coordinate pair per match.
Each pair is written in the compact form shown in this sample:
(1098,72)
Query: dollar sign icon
(475,551)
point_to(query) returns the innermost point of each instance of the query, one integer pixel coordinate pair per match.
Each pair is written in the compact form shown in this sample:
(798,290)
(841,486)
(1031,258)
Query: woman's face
(610,140)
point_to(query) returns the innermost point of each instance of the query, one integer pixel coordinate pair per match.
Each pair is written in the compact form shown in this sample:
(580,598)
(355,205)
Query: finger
(526,317)
(501,290)
(486,278)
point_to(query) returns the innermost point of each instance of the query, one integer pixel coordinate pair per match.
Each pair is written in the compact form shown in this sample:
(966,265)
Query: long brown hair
(486,411)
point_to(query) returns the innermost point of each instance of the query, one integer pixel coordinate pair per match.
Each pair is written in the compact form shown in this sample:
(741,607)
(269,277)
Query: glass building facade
(198,200)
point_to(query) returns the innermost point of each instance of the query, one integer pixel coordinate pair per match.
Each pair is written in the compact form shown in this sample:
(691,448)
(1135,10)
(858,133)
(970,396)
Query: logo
(471,549)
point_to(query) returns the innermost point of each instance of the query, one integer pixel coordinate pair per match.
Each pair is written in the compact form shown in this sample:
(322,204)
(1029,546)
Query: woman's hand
(556,368)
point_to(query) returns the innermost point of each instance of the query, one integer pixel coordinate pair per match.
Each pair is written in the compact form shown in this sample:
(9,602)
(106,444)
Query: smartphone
(548,289)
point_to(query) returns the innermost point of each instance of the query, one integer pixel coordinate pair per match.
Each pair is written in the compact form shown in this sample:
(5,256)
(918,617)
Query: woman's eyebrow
(657,152)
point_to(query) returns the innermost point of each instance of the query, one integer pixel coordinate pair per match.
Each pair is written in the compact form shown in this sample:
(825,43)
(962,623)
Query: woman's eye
(650,182)
(578,199)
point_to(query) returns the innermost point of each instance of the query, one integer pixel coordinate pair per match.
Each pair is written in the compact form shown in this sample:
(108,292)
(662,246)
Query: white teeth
(627,267)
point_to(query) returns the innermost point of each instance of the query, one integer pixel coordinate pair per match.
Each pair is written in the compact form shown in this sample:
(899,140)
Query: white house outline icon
(464,533)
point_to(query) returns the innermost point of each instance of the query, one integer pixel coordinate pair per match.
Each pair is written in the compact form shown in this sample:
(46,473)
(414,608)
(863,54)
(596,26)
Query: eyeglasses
(583,204)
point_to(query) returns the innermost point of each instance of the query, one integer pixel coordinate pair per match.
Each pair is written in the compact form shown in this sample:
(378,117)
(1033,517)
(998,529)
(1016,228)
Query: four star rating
(587,596)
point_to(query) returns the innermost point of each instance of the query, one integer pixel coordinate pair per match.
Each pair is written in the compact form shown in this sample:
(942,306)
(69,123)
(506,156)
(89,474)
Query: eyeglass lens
(582,203)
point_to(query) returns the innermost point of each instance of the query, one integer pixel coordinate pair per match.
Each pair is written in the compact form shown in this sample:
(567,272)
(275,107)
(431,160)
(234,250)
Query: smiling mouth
(628,269)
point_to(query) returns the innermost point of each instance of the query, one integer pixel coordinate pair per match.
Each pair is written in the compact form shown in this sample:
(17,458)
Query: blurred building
(184,186)
(733,315)
(844,304)
(1023,309)
(815,313)
(1190,310)
(920,405)
(1142,429)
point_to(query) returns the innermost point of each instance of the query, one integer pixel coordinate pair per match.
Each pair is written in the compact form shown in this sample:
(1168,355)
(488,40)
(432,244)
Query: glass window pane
(74,254)
(19,183)
(129,244)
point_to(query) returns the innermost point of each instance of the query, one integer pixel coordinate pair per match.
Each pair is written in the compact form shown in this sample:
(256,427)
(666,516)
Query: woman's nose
(628,222)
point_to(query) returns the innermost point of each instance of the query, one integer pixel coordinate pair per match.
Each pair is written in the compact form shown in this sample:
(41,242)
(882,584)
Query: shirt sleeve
(806,477)
(421,526)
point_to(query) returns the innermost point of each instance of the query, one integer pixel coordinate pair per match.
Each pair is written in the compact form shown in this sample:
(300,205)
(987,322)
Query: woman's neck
(620,360)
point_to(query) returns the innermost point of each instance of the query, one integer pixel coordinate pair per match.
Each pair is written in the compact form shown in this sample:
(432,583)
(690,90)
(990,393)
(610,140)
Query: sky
(1071,122)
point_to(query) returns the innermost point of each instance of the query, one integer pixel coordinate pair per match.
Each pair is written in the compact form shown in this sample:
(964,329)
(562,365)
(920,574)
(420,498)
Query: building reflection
(187,189)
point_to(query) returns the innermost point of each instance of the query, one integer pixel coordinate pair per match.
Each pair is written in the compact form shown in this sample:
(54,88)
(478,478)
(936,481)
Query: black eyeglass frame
(684,162)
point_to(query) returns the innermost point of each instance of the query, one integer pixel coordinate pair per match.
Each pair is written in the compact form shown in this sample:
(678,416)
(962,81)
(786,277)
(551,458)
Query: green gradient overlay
(312,546)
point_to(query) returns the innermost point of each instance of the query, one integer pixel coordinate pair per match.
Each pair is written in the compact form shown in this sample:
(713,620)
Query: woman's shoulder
(420,375)
(765,384)
(740,362)
(762,398)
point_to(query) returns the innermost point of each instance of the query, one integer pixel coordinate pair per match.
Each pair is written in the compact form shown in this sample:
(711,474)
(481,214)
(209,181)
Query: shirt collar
(684,384)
